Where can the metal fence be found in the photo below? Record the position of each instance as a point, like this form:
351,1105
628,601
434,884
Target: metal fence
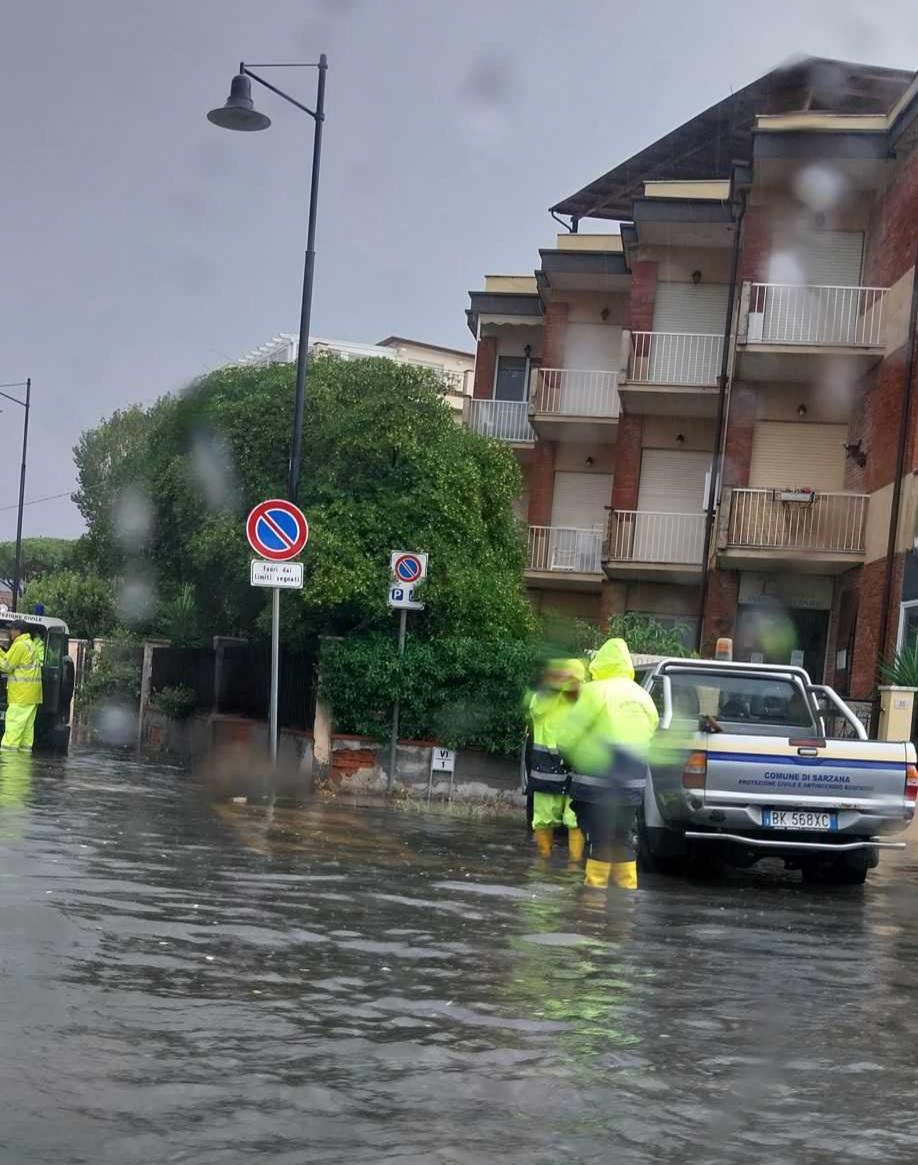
786,313
505,420
185,667
565,549
577,392
777,519
681,358
647,536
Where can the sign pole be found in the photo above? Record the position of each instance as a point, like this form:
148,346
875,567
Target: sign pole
275,668
393,744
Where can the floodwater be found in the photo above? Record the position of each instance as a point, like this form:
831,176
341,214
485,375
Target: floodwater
184,982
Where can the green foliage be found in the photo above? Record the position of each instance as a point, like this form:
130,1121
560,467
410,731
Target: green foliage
643,634
164,492
902,669
462,692
40,557
177,703
114,677
647,636
178,620
85,602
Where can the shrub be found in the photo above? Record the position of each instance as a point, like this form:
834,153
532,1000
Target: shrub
177,703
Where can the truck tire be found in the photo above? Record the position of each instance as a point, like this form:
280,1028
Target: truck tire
650,860
845,870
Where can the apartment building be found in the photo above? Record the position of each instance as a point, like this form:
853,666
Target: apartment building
452,365
712,400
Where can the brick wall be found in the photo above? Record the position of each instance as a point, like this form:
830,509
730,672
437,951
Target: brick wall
891,234
755,246
627,462
867,650
882,416
719,608
643,293
740,428
485,367
541,483
554,334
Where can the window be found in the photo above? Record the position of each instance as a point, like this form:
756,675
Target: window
908,625
740,702
53,650
511,378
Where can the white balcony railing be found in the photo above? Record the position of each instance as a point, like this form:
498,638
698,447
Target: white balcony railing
647,536
506,420
675,358
565,550
765,519
574,392
785,313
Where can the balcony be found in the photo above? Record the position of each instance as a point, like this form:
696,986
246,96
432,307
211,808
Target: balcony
562,556
789,331
504,420
673,373
571,404
662,546
824,532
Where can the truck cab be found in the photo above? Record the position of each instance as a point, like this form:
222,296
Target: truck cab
52,724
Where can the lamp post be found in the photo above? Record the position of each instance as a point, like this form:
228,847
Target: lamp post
25,405
239,113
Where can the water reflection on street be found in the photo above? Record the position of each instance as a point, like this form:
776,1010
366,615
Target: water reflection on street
189,982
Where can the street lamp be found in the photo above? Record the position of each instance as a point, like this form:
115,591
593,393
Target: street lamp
239,113
24,404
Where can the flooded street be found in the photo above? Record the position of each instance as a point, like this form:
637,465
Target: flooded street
186,982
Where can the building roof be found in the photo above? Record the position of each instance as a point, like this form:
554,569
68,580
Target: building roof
707,145
394,341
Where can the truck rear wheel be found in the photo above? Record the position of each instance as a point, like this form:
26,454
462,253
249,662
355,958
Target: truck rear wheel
845,870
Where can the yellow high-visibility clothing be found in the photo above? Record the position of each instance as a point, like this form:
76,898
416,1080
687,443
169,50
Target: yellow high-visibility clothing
22,669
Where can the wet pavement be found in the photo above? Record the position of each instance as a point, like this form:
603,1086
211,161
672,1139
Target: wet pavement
186,982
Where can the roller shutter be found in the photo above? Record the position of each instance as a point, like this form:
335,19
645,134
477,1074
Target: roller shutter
809,455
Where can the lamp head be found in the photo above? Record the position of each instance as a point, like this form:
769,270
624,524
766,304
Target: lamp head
239,112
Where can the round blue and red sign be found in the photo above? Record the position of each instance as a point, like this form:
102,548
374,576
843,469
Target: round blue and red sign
277,530
408,568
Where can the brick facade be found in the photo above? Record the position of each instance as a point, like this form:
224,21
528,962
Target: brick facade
541,483
643,294
720,608
627,477
485,368
740,431
554,335
867,648
891,235
756,246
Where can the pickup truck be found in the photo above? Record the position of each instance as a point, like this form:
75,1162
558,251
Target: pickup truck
742,768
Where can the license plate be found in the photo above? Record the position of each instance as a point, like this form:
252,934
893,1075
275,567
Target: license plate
799,819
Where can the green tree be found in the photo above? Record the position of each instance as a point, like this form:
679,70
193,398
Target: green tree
40,556
385,466
85,602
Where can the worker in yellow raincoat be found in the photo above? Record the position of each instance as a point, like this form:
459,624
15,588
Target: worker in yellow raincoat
22,667
548,778
605,739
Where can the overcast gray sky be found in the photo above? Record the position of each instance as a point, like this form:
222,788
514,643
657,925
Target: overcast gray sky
142,246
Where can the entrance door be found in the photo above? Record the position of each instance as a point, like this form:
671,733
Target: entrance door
780,634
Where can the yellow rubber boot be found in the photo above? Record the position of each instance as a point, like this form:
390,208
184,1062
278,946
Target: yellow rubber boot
597,874
576,843
545,839
624,875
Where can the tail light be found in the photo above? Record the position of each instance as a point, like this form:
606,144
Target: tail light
695,771
911,783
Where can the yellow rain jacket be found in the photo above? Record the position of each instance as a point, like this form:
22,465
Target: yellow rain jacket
547,710
22,668
612,715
